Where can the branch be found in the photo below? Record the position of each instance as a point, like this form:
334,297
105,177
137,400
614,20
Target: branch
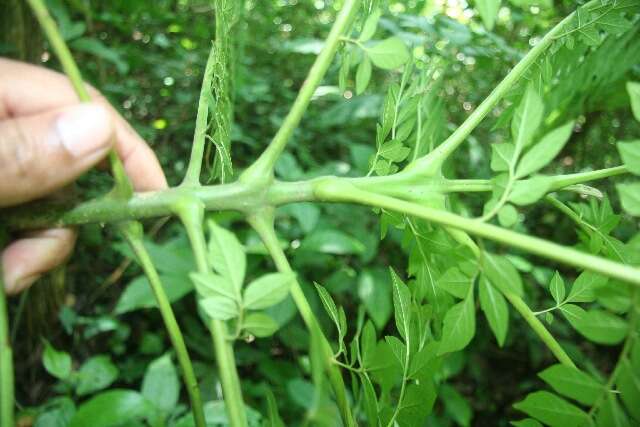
431,163
263,223
263,167
6,362
334,190
191,213
123,188
133,233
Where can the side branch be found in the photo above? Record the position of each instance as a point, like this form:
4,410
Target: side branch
263,167
6,362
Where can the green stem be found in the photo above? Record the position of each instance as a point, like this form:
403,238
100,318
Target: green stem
263,167
6,362
123,187
191,213
133,233
192,177
432,162
263,223
562,181
332,190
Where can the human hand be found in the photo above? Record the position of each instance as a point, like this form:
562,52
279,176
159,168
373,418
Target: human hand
47,140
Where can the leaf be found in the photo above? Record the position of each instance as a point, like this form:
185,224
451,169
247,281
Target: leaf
456,406
267,290
501,155
401,304
573,383
459,326
274,416
527,422
507,215
633,89
628,382
260,324
329,305
363,75
394,151
599,326
495,310
455,282
556,287
161,385
374,290
502,274
388,54
544,151
584,287
530,190
96,374
219,307
527,118
343,73
630,154
95,47
552,410
112,408
369,26
138,294
210,284
398,349
370,401
630,197
227,255
611,414
332,242
488,11
56,363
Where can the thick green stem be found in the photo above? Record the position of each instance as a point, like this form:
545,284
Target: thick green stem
192,177
263,223
191,213
123,187
332,190
263,167
133,233
6,362
430,164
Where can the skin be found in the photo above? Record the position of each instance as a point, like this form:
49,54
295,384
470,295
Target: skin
47,140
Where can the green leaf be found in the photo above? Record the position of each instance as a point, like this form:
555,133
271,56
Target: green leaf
274,416
502,274
584,287
573,383
57,363
370,401
628,382
552,410
507,215
630,154
527,422
394,151
598,326
138,293
363,75
455,282
630,197
633,89
388,54
501,155
161,385
95,47
96,374
267,290
528,191
210,284
329,305
401,304
488,11
556,287
343,74
527,118
112,408
456,406
219,307
374,290
226,255
369,26
260,324
611,413
495,309
544,151
459,326
332,242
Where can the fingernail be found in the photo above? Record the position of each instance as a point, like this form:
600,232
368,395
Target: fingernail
22,283
84,129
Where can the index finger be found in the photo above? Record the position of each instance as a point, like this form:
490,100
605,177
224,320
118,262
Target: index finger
27,89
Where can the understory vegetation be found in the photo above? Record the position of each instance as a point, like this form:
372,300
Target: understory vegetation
381,213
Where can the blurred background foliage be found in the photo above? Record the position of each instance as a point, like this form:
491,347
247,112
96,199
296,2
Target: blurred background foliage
147,58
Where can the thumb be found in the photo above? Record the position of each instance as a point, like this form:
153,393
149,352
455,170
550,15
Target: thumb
43,152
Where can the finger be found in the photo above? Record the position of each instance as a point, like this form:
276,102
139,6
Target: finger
25,260
27,90
41,153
